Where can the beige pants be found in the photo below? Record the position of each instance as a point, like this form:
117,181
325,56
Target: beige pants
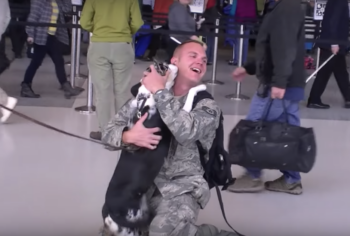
110,66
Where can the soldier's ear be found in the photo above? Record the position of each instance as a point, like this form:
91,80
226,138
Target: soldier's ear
174,61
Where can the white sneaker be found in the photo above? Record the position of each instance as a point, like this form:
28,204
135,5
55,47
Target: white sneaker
11,103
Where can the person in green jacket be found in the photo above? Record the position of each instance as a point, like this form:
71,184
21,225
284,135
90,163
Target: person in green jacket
110,55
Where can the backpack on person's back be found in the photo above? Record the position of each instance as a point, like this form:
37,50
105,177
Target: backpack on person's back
217,169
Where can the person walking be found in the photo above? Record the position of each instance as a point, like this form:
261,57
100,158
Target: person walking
279,66
335,27
46,40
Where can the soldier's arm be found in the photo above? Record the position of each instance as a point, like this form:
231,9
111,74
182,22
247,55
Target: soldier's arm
187,127
112,134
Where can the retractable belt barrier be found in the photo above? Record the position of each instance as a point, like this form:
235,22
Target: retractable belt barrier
218,27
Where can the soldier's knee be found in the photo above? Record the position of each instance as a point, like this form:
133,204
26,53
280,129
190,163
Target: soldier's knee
175,218
173,227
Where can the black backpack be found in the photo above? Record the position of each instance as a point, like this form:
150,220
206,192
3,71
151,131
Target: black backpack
217,170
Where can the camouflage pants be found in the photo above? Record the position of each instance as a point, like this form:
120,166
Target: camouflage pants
177,217
174,217
3,98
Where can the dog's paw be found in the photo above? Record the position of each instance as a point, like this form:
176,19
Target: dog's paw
112,226
198,88
190,97
113,229
193,91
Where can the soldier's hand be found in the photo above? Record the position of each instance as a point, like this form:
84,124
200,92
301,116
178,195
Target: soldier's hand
153,81
141,136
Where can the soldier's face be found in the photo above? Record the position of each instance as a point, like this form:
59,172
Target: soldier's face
192,62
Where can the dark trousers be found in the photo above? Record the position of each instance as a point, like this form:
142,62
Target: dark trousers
154,45
155,38
53,49
3,48
18,37
171,46
209,26
336,66
4,61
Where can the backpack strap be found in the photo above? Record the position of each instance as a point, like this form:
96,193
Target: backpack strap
222,207
200,96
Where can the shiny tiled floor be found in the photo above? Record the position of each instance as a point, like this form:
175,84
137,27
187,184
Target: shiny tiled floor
54,185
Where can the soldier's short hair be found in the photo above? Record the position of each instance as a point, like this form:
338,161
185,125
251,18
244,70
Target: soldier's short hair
178,48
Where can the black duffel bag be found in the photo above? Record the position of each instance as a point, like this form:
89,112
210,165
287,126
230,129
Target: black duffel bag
272,145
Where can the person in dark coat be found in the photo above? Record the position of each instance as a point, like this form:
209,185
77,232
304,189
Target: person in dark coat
279,67
335,27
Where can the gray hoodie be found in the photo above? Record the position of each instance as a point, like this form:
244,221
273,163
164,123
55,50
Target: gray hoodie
180,19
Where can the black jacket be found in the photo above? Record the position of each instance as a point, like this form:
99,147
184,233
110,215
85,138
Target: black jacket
335,24
279,56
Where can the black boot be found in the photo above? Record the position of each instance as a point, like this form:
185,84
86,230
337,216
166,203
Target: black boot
27,91
69,91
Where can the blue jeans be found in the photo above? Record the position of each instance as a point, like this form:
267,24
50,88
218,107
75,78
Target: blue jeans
257,108
245,47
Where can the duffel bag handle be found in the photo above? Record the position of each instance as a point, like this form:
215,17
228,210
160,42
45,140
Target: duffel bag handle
267,111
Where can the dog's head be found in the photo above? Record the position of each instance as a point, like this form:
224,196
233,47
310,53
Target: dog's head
162,68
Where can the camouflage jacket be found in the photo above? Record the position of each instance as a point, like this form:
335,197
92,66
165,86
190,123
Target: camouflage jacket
182,171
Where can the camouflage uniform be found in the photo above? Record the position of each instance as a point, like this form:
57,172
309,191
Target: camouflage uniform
180,189
3,98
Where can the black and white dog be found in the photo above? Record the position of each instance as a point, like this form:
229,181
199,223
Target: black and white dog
126,210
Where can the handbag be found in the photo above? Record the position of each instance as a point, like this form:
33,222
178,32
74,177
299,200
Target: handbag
274,145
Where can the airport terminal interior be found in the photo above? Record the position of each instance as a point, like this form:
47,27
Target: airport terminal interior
52,184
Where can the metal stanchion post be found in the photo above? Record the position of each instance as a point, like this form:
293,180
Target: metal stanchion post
238,95
73,48
89,108
213,80
78,75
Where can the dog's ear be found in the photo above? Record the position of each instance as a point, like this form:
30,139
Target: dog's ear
135,89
